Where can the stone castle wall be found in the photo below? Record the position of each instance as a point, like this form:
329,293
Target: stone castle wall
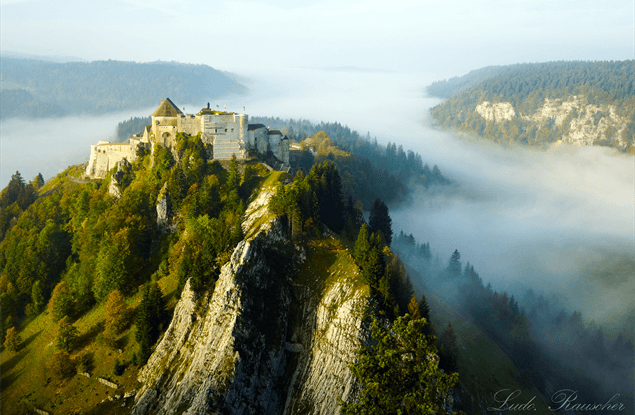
104,156
225,134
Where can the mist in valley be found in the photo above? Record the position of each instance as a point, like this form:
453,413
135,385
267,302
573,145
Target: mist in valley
558,220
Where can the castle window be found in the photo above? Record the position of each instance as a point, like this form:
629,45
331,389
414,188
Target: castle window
226,130
232,130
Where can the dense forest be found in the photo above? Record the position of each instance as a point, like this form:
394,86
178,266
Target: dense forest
550,345
47,89
106,271
369,170
551,101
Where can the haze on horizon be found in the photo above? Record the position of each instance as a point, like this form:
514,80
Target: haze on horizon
445,38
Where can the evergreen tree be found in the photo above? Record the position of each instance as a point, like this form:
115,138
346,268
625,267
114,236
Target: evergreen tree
449,350
454,266
233,175
38,182
362,247
149,319
379,220
398,374
37,296
413,309
424,309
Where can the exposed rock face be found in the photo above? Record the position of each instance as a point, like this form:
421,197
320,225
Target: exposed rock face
582,124
261,343
497,112
118,181
165,213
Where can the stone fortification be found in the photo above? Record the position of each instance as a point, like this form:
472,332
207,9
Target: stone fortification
225,133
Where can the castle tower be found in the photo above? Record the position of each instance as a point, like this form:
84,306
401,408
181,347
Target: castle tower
165,123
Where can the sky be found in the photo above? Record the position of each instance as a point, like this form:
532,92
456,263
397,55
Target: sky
444,37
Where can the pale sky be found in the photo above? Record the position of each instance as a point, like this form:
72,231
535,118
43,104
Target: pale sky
449,36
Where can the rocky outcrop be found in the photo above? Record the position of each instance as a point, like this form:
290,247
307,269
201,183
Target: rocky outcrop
265,341
165,214
579,123
498,112
119,180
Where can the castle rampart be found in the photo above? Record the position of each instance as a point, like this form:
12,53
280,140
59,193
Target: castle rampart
226,133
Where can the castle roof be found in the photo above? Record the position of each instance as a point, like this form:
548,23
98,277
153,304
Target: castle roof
251,127
167,109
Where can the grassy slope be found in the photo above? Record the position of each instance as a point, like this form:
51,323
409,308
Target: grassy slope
26,384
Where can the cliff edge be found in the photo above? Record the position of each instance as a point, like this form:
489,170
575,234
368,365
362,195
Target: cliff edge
275,336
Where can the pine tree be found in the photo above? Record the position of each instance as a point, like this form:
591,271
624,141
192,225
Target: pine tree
454,266
424,309
39,181
449,350
362,247
413,309
379,220
148,321
399,374
233,175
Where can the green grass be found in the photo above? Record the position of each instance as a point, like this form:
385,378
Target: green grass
328,261
26,383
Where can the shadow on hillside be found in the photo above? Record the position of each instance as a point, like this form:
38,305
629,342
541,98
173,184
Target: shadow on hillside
89,336
15,359
12,362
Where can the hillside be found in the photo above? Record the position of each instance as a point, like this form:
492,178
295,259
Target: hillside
582,103
34,88
179,282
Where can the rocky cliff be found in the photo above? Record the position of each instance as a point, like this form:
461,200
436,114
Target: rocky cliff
275,336
575,122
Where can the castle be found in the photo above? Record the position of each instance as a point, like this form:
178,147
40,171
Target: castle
224,133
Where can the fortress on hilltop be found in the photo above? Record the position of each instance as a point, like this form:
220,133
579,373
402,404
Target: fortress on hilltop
224,134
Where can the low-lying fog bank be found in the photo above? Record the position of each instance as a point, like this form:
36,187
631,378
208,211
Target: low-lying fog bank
523,217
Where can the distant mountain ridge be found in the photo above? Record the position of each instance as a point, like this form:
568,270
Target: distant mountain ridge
36,88
583,103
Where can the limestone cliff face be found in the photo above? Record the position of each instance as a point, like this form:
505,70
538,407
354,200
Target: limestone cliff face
581,123
165,214
264,342
118,180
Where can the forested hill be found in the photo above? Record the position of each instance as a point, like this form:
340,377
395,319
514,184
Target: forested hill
584,103
34,88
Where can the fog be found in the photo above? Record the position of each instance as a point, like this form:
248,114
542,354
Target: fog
557,220
49,146
554,220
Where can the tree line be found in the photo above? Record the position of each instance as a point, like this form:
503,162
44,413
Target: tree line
545,342
527,86
106,86
377,171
